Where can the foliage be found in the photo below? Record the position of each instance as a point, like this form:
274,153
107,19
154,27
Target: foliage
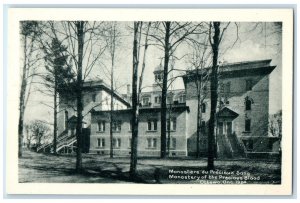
39,132
275,124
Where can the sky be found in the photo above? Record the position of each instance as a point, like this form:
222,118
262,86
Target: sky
241,42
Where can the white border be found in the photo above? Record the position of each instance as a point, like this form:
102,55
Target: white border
245,15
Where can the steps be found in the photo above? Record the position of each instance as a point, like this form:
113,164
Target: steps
237,147
224,149
229,146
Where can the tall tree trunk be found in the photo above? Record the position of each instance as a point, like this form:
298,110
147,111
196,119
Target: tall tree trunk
111,153
199,115
135,111
22,99
214,96
164,92
80,36
55,114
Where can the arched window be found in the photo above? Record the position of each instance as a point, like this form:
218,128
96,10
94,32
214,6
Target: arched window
248,103
66,119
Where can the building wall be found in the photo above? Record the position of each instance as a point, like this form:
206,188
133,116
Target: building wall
125,134
258,114
95,98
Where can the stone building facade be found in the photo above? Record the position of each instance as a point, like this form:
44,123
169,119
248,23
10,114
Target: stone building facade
149,132
242,115
243,110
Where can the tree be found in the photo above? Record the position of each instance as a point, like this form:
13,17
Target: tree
136,90
213,93
29,32
113,39
200,62
39,131
85,46
275,124
168,36
58,76
215,38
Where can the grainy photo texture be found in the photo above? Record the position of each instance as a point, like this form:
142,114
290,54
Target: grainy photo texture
157,102
149,102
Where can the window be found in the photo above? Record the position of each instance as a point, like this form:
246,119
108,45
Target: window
157,99
94,96
149,125
66,119
203,107
247,125
116,142
227,88
101,126
158,77
101,142
171,124
182,98
146,101
155,125
248,85
130,125
152,125
151,142
173,143
116,126
248,104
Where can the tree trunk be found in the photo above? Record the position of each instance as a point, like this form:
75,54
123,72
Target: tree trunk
164,92
22,99
198,122
214,97
111,153
55,114
80,36
135,110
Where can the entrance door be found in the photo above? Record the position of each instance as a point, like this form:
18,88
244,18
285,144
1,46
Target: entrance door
220,126
229,128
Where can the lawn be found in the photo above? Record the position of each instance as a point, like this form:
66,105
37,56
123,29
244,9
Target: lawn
38,168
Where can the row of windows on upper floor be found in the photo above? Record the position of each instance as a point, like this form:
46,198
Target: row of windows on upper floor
146,100
117,125
151,142
225,87
151,125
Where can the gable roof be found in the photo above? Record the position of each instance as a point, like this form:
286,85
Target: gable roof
225,112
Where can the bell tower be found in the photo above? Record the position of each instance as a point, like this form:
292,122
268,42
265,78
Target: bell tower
158,78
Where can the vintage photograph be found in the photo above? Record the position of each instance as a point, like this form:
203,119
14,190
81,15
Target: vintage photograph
150,102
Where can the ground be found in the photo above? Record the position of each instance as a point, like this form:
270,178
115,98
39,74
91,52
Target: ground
37,167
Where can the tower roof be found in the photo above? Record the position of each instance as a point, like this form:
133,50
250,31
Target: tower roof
158,68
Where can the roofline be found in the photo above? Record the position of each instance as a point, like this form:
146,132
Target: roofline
104,86
186,108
